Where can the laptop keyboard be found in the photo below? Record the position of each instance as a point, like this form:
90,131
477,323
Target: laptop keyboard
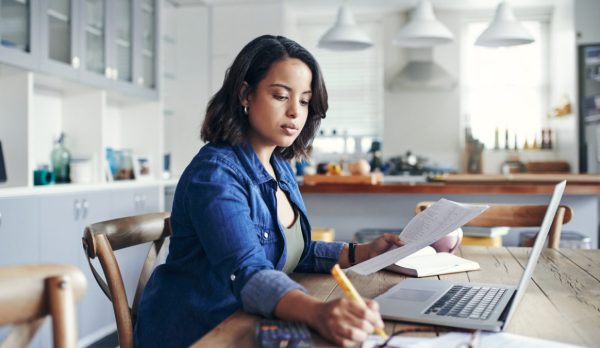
475,302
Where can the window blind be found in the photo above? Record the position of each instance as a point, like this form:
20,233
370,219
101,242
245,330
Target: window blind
354,81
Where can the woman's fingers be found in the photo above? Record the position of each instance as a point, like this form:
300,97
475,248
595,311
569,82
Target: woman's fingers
368,317
392,239
347,322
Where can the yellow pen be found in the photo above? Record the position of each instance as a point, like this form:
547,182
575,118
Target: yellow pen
351,292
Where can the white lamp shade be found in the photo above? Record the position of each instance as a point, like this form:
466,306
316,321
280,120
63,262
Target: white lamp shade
423,29
504,30
345,35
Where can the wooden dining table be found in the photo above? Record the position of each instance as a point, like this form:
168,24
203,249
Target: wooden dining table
562,301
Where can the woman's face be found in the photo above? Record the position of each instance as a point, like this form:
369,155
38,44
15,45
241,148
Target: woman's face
278,109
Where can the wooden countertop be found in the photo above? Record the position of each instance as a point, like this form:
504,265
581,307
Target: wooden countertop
577,184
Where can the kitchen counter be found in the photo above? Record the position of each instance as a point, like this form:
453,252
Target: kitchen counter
531,184
348,208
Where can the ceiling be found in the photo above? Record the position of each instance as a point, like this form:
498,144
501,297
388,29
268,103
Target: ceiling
378,6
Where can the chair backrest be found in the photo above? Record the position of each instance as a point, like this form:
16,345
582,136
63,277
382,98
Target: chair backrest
513,215
28,293
103,238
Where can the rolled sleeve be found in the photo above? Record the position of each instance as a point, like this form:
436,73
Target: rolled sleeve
321,257
327,255
263,291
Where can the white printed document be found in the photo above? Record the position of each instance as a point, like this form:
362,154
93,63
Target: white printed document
441,218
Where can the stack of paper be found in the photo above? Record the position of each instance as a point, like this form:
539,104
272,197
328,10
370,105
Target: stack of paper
441,218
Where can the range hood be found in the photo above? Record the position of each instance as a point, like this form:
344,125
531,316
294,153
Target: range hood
421,73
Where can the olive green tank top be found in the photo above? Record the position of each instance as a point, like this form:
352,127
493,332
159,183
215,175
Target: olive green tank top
294,244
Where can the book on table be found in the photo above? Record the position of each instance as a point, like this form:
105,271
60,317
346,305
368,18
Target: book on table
498,231
427,262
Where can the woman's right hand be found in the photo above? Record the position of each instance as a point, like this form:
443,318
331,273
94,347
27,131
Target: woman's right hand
345,322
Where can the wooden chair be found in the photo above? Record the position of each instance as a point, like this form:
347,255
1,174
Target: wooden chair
518,216
28,293
103,238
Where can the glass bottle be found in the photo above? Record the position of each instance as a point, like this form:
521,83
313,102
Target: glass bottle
61,158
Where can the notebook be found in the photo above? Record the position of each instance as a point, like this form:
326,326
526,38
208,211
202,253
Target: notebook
2,169
428,262
476,306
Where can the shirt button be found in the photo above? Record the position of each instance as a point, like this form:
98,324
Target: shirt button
232,277
266,234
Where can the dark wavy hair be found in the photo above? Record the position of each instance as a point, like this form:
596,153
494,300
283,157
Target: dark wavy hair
225,121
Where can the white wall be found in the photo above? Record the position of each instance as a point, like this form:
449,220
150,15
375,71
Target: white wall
185,55
234,25
563,80
425,122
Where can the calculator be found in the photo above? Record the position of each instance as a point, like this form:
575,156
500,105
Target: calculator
282,334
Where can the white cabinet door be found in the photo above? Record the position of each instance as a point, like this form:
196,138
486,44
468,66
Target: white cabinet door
19,234
131,202
19,242
62,220
137,201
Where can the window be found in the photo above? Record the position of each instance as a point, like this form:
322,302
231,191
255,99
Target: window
355,86
505,88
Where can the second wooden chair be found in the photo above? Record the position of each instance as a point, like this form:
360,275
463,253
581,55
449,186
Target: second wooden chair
28,293
514,215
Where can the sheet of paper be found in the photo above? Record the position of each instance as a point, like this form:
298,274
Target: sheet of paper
441,218
493,340
460,339
373,341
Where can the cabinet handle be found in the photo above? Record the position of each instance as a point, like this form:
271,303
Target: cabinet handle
75,62
136,201
85,205
76,209
144,202
0,220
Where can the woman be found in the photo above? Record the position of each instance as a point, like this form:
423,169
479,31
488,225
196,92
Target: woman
239,223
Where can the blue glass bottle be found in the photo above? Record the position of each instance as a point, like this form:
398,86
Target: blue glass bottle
61,158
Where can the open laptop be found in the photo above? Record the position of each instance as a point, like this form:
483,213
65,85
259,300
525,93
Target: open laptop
2,169
465,305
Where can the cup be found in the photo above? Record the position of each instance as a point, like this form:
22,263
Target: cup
42,177
81,171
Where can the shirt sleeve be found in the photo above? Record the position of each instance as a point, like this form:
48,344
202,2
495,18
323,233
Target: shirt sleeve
218,206
322,256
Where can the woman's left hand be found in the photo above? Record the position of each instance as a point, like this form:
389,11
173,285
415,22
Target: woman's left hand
381,244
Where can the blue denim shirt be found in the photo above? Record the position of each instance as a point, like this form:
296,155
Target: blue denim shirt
227,248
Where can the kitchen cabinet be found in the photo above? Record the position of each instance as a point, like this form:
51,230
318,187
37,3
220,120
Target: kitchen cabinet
105,44
19,233
120,53
19,240
48,227
62,220
19,39
136,201
127,203
59,34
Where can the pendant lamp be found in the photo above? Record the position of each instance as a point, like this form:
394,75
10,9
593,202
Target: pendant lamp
423,29
345,35
505,30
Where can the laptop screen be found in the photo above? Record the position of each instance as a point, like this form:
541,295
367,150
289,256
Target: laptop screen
540,240
2,169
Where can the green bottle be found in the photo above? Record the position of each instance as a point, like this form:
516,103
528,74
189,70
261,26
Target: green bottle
61,158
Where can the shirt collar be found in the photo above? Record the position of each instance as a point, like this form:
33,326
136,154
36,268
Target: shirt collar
256,171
